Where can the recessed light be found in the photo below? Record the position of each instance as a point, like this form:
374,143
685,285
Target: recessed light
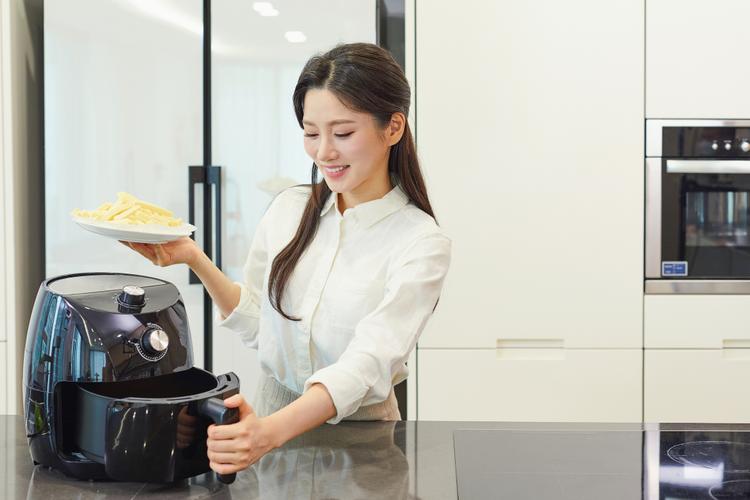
295,36
262,6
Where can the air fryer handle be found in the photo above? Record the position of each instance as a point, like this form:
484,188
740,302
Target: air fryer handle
214,409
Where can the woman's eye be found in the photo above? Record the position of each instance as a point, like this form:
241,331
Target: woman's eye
310,135
344,135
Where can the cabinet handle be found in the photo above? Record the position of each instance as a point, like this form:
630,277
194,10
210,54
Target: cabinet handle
735,344
708,167
530,349
530,344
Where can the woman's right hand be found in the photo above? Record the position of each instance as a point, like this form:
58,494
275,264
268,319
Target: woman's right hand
180,251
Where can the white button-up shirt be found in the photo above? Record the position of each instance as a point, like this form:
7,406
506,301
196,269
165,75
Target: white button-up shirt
363,291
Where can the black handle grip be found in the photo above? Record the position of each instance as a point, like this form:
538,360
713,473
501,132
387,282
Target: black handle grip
210,177
213,178
196,175
214,409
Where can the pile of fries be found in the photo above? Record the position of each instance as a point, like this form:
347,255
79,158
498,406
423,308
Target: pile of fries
130,210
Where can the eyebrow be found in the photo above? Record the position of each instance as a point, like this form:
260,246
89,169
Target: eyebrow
334,122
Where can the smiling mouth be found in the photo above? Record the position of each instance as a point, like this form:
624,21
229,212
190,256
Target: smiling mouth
335,169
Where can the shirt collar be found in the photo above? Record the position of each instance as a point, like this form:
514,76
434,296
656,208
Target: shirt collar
370,212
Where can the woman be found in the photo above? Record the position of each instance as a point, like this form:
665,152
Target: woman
342,274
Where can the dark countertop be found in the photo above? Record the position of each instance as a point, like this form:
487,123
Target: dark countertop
392,460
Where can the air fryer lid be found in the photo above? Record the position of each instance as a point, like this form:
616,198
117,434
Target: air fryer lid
100,291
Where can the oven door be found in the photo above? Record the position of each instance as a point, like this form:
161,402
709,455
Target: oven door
697,215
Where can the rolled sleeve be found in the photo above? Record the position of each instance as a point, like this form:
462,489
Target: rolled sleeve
383,339
244,319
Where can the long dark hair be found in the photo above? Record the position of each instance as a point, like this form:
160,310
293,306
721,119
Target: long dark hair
366,78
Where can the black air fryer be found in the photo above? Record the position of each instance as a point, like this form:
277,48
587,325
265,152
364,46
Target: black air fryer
110,387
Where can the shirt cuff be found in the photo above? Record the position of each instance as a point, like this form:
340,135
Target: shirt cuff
345,390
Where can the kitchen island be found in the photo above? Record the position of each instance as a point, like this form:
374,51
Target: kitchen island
442,460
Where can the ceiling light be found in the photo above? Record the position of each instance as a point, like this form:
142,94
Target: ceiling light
295,36
262,6
269,13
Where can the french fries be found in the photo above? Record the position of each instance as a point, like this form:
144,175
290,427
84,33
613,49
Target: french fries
130,210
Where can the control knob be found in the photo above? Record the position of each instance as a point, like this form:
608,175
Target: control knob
132,297
154,342
727,145
745,145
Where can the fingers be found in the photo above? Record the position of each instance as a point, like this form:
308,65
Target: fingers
237,401
225,468
161,256
234,401
144,249
230,431
224,457
223,445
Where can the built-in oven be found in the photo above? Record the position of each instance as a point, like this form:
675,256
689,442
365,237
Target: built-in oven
697,206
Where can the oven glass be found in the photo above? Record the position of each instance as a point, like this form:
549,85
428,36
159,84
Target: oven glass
706,224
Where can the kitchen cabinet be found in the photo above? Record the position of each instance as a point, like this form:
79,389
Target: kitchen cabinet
530,131
696,321
695,62
530,385
697,350
696,385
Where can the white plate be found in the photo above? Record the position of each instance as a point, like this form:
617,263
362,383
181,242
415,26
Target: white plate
142,233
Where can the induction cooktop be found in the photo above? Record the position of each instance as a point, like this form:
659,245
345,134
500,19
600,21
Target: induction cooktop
697,464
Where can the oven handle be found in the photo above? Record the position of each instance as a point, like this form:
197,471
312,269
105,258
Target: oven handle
708,166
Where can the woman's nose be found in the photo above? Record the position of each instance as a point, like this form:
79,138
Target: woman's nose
326,151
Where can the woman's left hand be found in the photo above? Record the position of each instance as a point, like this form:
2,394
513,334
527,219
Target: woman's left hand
234,447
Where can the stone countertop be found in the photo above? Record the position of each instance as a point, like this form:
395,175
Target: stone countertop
392,460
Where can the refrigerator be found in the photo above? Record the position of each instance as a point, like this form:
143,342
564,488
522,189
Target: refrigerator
135,95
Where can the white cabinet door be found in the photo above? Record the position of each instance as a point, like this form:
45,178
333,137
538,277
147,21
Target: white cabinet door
695,59
530,385
696,321
696,385
530,131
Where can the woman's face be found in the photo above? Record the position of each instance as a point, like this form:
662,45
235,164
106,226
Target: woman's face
349,148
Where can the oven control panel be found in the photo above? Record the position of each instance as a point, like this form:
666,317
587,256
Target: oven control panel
706,142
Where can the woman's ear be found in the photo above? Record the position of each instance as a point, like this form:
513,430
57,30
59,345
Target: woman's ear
395,129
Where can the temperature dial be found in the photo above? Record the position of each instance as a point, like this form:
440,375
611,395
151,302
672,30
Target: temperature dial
745,146
155,342
132,296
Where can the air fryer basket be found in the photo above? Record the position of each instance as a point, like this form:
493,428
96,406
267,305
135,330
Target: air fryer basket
151,430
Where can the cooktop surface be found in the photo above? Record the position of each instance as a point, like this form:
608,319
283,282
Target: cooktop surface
667,462
697,464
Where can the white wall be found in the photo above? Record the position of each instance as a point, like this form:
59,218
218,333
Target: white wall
21,201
